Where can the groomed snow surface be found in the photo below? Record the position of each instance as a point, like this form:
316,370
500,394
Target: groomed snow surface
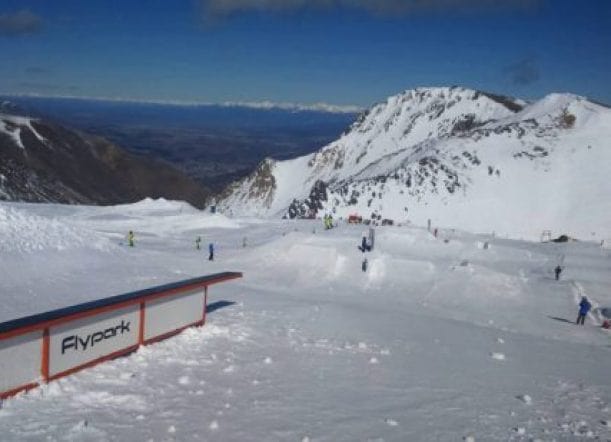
441,339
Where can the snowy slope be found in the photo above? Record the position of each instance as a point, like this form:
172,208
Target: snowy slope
41,161
12,125
463,158
441,339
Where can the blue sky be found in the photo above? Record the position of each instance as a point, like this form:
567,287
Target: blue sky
335,51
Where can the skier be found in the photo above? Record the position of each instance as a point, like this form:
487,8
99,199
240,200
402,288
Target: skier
371,239
211,252
364,246
584,308
557,271
435,232
328,221
364,265
130,238
198,240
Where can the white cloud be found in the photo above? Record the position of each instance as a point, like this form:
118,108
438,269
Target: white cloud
264,105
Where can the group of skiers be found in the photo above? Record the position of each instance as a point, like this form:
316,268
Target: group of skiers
131,241
366,246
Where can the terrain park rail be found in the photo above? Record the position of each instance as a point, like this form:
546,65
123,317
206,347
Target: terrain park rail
40,348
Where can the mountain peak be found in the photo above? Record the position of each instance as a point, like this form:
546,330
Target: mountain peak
465,158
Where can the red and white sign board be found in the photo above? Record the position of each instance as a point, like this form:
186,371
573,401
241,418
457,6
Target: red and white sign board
20,360
80,342
166,315
50,345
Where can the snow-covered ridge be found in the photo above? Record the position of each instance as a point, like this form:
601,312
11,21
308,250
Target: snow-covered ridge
12,126
450,154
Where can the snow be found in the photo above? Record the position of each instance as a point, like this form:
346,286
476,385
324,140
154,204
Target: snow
307,346
533,172
12,125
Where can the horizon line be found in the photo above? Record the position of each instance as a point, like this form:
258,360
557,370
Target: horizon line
262,105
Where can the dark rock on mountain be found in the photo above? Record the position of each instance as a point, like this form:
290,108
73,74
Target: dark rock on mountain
45,162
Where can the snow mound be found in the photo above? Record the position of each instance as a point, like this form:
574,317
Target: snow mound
157,206
301,259
24,232
310,260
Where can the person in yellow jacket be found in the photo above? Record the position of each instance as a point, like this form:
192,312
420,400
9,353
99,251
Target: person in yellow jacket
130,238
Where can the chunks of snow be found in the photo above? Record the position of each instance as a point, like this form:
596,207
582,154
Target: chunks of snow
184,380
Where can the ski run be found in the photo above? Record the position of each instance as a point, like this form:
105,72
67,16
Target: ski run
454,337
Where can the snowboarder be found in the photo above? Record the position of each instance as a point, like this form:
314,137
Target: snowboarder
557,271
435,232
198,240
584,308
211,252
130,238
364,265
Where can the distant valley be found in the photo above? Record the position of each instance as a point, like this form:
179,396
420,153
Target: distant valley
214,145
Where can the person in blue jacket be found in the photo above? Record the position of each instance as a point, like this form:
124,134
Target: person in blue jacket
584,308
211,252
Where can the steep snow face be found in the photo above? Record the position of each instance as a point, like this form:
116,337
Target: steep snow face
12,126
463,158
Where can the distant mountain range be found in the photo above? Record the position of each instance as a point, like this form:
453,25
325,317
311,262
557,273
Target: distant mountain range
42,161
460,157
